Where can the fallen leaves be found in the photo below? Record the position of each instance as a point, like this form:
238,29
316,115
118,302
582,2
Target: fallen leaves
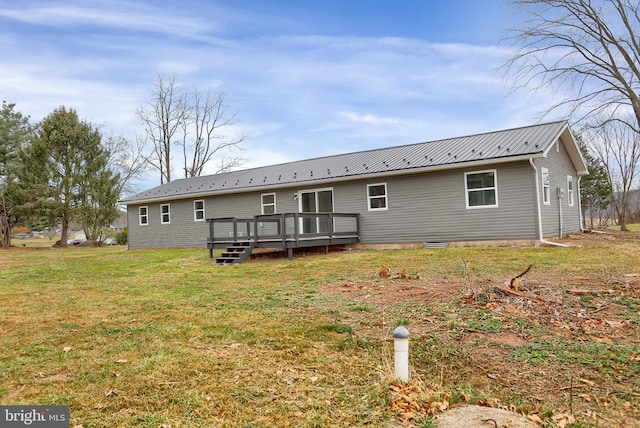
411,401
563,419
536,419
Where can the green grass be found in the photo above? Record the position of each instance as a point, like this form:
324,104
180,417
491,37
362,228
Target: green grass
635,227
144,338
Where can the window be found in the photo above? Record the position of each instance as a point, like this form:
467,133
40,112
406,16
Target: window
198,210
570,190
143,216
482,189
165,215
377,195
268,203
546,196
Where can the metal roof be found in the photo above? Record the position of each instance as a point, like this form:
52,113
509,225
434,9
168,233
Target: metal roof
499,146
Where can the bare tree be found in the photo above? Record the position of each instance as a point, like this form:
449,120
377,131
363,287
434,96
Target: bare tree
618,147
589,47
125,159
162,118
197,122
205,134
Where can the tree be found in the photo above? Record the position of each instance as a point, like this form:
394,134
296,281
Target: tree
99,198
162,118
63,173
618,148
591,49
124,159
595,188
204,134
588,47
197,122
15,131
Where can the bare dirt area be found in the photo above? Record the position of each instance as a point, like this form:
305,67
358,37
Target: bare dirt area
558,346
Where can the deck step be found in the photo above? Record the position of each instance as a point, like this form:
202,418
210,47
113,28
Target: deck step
236,253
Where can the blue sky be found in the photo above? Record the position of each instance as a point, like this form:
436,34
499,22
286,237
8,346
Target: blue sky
306,78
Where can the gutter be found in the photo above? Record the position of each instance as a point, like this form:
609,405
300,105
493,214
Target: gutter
582,228
539,210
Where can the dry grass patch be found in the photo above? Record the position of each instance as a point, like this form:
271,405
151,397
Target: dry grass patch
146,338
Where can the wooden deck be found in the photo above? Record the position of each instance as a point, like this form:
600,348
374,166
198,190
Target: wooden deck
286,230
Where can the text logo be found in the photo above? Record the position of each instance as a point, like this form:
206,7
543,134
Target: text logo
34,416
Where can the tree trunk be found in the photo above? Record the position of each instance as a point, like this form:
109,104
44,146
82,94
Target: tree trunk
622,221
5,231
64,233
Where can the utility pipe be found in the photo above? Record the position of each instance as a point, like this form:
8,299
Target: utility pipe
539,211
560,209
401,354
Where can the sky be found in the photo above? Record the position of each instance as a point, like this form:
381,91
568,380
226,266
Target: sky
305,78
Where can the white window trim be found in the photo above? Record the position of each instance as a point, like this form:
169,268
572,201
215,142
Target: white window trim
146,216
262,204
467,190
195,210
386,197
546,196
570,189
168,214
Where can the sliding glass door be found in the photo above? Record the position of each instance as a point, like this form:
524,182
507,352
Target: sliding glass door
316,201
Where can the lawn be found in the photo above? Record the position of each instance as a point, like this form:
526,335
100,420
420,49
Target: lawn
165,338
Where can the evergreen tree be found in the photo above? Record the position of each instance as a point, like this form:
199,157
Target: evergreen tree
595,188
99,199
14,133
64,174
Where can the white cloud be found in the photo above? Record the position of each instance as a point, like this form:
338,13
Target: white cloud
131,16
296,96
370,119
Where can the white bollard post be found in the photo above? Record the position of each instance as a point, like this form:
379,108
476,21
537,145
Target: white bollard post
401,348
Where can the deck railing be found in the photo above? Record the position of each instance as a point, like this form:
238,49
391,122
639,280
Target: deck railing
282,229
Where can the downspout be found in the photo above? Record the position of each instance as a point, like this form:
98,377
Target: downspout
560,209
582,228
539,210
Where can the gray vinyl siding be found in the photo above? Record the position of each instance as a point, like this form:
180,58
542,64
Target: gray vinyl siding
184,231
427,207
422,207
559,165
431,207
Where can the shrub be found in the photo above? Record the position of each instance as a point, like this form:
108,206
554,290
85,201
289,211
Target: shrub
121,237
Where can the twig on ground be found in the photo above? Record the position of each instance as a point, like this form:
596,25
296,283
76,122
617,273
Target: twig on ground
515,281
518,293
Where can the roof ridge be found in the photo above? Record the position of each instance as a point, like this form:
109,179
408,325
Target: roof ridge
379,149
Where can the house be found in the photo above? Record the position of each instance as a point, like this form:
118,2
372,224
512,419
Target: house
120,223
518,184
